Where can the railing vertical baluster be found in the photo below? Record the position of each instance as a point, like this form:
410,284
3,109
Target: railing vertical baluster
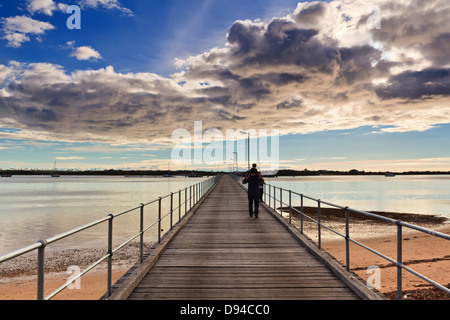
110,253
301,215
185,201
290,207
141,231
179,205
281,201
41,270
274,198
264,193
190,197
347,240
159,220
399,260
318,225
171,210
270,196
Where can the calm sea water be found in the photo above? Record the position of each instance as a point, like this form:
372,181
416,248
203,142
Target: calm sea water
421,194
38,207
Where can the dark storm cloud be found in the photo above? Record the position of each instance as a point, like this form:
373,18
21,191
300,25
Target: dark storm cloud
318,68
417,85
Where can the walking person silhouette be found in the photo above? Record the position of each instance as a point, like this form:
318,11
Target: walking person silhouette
254,180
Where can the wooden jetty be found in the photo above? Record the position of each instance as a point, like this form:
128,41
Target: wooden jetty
220,252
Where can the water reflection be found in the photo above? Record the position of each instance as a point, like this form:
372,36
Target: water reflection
408,194
37,207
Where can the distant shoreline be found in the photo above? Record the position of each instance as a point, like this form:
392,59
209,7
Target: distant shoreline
281,173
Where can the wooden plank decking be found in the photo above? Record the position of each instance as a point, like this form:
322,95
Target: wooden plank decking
223,253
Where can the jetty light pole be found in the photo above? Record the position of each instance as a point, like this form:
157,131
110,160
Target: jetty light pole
248,147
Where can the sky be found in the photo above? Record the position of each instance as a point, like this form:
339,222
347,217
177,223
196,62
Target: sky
341,84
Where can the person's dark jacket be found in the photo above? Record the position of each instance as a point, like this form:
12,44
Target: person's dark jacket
253,181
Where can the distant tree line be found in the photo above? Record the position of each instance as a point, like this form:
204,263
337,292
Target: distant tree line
280,173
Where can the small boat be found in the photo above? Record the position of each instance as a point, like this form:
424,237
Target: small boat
195,175
6,175
389,174
168,174
54,174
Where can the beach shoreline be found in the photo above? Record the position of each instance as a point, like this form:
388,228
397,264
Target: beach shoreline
18,280
423,253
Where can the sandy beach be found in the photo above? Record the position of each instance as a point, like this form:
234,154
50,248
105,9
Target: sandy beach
423,253
18,276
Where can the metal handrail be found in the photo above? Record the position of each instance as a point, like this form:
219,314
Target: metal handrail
400,224
267,193
192,195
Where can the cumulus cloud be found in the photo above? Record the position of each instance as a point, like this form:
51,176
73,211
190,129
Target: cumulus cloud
86,53
106,4
318,68
344,74
44,6
16,29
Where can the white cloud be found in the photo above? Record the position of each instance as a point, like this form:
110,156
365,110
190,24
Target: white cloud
106,4
300,73
69,158
42,6
16,29
16,39
86,53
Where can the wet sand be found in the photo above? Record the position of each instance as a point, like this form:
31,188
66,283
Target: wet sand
424,253
18,276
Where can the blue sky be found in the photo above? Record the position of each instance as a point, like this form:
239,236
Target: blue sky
342,93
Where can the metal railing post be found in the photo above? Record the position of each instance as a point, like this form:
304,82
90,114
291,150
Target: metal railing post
41,270
179,205
264,193
171,210
110,253
270,196
347,240
281,202
190,197
141,231
301,215
185,201
290,207
159,220
274,199
399,260
318,225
